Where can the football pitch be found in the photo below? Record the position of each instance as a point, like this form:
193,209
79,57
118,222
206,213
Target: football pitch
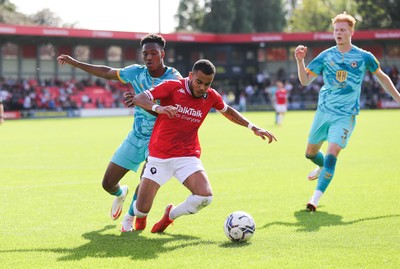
55,214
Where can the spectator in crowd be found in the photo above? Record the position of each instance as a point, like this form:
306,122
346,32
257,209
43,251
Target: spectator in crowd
2,116
394,74
27,102
270,92
242,107
260,80
249,90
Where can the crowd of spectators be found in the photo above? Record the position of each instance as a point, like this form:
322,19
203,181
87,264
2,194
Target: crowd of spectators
258,90
56,94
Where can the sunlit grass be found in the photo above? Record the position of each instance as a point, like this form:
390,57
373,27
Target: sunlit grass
55,214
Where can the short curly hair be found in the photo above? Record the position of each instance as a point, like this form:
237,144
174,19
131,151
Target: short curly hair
153,38
204,66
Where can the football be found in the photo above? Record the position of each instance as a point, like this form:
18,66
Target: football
239,226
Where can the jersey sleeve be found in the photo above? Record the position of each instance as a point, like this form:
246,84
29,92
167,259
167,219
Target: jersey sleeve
175,74
127,74
219,104
162,90
372,64
316,65
225,107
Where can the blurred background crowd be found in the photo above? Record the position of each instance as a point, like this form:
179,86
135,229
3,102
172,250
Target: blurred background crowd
56,94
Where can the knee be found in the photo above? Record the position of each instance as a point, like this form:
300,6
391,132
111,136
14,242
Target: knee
112,176
310,156
330,161
106,185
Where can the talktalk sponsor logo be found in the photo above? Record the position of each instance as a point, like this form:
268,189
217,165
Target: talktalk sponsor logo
189,111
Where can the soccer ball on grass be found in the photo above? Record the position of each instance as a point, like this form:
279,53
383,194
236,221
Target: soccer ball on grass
239,226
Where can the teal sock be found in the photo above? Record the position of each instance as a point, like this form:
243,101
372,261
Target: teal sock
131,206
117,193
327,173
317,159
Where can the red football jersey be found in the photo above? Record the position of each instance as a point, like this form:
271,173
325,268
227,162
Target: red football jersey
178,137
280,96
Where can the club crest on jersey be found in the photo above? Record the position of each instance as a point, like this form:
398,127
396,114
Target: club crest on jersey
153,170
354,64
341,75
181,91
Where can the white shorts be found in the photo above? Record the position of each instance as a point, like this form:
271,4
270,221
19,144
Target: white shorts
162,170
280,108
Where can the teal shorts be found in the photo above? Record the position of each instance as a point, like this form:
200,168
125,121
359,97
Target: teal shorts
132,152
332,128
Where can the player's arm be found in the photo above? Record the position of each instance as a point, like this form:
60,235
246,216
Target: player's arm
236,117
305,77
102,71
144,101
128,100
1,111
387,85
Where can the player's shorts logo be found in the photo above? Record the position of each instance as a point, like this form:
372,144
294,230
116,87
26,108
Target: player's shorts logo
341,75
153,170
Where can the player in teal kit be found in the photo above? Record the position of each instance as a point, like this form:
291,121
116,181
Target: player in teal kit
134,149
343,68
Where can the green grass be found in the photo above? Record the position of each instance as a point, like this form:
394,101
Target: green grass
55,214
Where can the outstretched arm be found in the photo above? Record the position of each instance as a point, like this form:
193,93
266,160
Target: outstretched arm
102,71
236,117
387,85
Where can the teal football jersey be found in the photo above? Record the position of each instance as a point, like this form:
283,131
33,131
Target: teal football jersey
343,74
141,80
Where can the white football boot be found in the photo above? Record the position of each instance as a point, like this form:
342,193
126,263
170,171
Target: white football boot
116,207
127,223
314,174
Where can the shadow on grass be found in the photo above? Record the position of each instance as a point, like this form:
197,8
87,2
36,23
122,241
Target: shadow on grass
313,221
132,245
230,244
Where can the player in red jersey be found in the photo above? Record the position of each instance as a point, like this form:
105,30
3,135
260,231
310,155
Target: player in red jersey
174,148
280,102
